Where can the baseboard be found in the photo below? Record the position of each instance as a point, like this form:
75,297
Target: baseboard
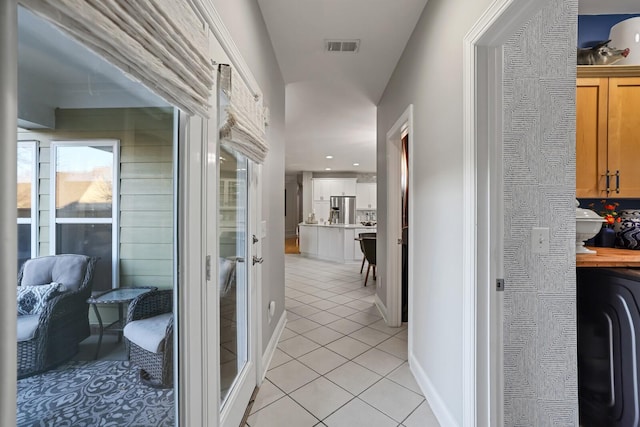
273,344
381,308
440,410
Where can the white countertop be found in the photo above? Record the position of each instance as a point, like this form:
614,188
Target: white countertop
339,225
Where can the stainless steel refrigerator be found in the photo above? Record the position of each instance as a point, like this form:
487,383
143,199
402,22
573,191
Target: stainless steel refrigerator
345,206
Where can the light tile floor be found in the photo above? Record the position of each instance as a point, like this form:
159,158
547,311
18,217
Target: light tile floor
337,363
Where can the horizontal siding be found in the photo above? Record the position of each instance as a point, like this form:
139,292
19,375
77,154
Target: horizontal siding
45,171
163,282
136,267
146,235
44,249
146,185
146,202
146,170
45,154
43,219
149,137
151,251
45,202
146,219
145,154
115,119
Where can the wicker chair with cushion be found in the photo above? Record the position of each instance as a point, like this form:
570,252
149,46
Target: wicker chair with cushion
53,314
149,334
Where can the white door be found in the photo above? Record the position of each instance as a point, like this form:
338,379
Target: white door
236,287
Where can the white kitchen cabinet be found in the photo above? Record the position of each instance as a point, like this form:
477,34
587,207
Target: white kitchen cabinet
324,188
330,243
366,195
321,189
343,187
321,209
308,238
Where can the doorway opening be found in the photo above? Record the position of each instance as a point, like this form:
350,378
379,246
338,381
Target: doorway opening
398,250
404,187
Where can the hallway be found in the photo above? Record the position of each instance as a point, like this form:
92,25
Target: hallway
337,363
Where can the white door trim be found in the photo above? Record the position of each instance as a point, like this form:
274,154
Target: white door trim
394,220
197,383
482,201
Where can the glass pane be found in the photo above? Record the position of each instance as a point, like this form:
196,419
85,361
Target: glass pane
24,243
25,180
92,240
84,182
232,284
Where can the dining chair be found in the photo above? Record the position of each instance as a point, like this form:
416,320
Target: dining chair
369,246
360,237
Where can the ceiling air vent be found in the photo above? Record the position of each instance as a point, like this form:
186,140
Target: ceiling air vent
349,46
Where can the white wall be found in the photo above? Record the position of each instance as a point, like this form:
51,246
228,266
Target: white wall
244,21
540,365
429,76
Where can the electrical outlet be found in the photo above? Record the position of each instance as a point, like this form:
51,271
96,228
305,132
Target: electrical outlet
540,240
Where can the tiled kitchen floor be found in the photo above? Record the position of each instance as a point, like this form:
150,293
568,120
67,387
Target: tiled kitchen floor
337,363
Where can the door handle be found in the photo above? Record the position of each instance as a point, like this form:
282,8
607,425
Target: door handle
257,260
617,182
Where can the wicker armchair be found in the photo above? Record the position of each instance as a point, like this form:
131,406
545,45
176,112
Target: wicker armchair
150,325
52,336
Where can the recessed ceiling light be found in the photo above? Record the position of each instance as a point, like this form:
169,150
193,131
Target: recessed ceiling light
327,169
328,157
356,164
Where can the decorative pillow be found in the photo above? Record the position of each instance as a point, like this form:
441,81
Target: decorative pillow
32,299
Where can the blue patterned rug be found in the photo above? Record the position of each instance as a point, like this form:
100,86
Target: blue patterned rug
96,393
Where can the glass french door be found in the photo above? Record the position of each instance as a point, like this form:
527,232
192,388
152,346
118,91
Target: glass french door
236,309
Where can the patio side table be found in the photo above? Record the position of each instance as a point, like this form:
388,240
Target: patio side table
119,297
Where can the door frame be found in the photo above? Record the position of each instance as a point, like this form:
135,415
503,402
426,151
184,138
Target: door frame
483,212
8,181
249,377
393,313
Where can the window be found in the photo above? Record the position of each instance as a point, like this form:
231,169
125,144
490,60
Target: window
84,182
26,200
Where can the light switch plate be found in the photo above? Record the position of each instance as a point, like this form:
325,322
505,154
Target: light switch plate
540,240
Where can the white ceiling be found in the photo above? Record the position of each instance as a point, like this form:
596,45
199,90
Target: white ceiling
331,98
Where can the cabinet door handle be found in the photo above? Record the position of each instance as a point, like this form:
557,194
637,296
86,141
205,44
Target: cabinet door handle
617,182
257,260
607,183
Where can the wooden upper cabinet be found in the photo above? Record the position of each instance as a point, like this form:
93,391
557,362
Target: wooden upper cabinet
591,137
608,133
624,135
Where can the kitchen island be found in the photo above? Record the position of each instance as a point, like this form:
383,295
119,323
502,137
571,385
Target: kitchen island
609,257
332,242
